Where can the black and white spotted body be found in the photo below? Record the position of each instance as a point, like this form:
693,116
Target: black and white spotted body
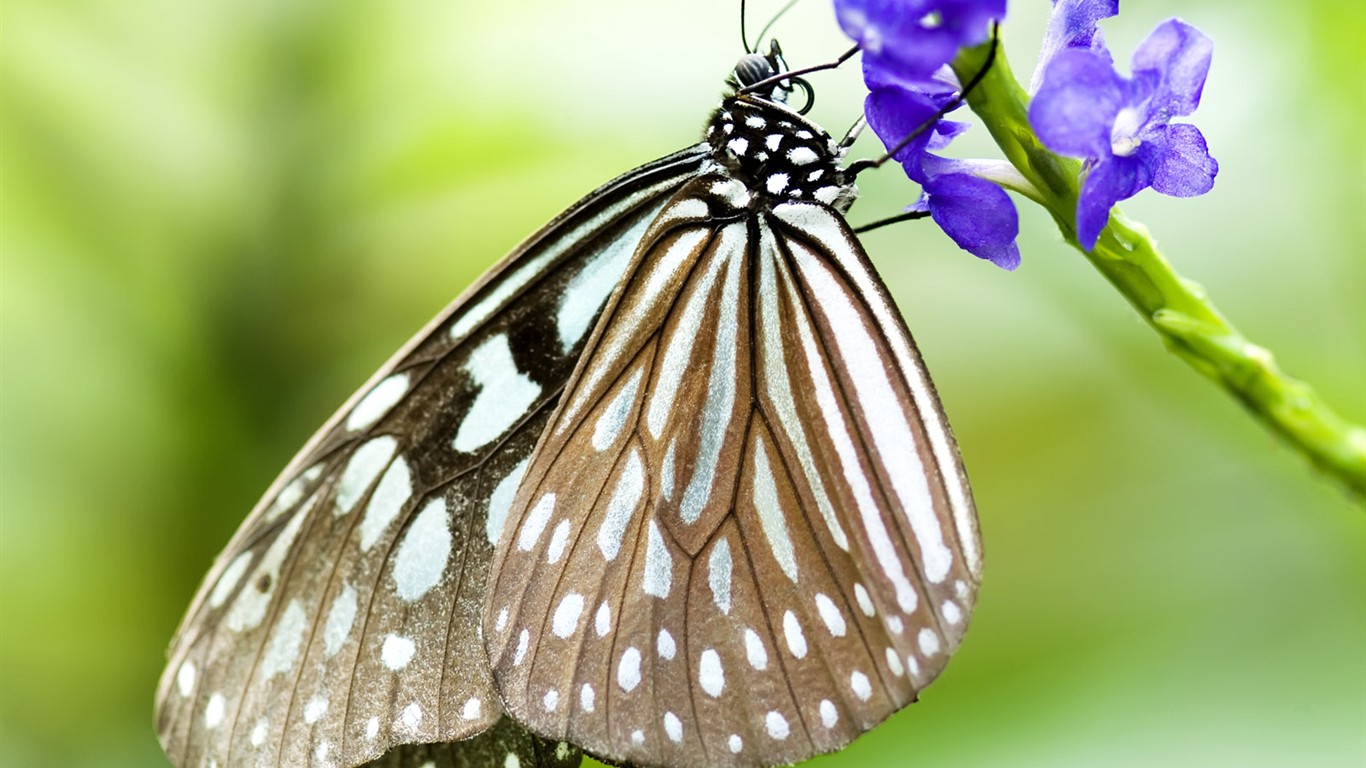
778,154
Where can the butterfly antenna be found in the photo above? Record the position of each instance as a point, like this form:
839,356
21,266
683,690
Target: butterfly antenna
860,166
772,21
744,38
780,77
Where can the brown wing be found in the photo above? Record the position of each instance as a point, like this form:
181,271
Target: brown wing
343,617
745,536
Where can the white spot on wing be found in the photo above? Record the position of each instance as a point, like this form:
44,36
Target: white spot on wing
719,573
292,493
776,725
602,620
566,619
776,183
282,650
738,146
423,553
735,743
411,717
534,523
229,580
340,617
865,602
950,612
928,642
559,539
259,732
792,630
613,418
372,728
551,700
860,685
658,575
505,395
587,698
665,646
523,640
666,481
673,727
393,491
500,501
472,708
628,670
214,711
829,714
830,614
770,512
377,402
184,678
249,608
894,662
584,296
315,709
364,466
397,651
627,494
755,651
711,676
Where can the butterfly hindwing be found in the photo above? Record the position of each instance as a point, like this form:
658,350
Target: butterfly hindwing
343,617
744,537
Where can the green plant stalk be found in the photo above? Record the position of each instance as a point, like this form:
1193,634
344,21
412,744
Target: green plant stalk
1177,308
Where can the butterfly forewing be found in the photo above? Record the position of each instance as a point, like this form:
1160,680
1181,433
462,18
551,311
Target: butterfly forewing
343,617
745,536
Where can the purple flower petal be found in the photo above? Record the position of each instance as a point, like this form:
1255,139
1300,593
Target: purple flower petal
1073,24
1179,161
909,38
977,214
1074,112
893,113
1109,182
1177,57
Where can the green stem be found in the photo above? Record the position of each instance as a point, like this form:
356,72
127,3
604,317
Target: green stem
1176,308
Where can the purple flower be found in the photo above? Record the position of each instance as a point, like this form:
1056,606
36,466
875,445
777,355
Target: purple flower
975,213
1122,127
1073,24
914,38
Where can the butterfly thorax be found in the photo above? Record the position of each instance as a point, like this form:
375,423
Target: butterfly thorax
778,154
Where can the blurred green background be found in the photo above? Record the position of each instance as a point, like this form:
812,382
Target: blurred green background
218,219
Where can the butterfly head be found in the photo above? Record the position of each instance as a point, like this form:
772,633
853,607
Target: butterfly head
757,67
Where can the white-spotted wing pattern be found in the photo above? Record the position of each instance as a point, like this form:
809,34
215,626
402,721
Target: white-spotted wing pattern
745,536
343,617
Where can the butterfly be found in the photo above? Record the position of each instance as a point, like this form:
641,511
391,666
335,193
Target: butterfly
669,483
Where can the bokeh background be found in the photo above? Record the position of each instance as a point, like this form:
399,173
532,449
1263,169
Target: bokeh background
219,218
